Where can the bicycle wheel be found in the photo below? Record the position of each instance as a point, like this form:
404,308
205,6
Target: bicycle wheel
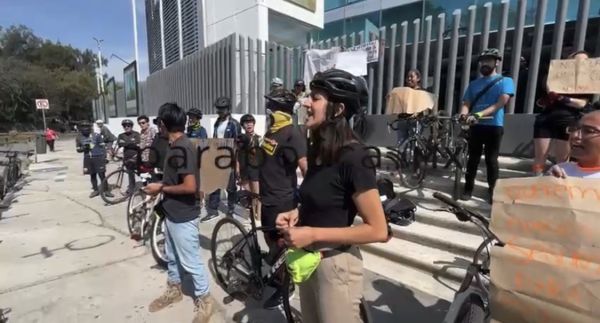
229,235
461,152
113,184
290,315
471,311
157,240
412,163
135,212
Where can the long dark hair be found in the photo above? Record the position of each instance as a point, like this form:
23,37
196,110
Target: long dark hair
328,140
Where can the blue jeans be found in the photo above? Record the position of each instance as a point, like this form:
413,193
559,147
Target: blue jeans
214,198
183,253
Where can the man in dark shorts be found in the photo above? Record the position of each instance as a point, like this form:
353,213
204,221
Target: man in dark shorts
130,141
92,146
247,162
179,186
283,151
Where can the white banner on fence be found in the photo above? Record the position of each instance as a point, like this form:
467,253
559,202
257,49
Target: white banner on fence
354,62
318,60
372,49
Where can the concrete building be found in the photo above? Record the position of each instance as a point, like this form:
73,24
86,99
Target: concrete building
177,28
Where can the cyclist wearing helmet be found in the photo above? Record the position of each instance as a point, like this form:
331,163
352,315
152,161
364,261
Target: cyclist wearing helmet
276,84
248,164
225,127
283,152
338,186
195,129
485,97
129,140
94,156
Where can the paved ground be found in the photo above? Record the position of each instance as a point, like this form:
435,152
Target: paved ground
67,258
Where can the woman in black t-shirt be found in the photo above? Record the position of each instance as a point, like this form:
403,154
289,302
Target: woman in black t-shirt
340,182
559,112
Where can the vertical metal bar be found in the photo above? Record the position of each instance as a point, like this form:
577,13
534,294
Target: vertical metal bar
516,51
502,30
267,79
288,67
392,59
534,61
328,43
583,15
415,48
361,37
559,29
485,34
427,52
233,72
403,39
352,39
336,42
449,102
381,63
344,41
202,84
243,71
281,69
466,72
371,84
437,72
321,45
260,73
251,77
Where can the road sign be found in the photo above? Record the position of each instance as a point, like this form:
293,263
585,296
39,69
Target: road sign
42,104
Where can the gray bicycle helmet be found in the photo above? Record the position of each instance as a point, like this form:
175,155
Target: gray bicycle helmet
281,100
342,87
491,52
195,112
223,103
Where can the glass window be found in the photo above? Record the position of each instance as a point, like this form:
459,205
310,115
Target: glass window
334,4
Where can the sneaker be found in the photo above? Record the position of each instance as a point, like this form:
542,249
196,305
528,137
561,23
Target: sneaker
466,196
172,295
94,194
108,194
209,217
204,307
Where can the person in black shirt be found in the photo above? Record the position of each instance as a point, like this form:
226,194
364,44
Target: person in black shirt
130,141
283,152
180,187
560,112
247,161
340,183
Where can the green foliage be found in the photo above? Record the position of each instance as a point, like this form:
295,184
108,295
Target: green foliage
32,68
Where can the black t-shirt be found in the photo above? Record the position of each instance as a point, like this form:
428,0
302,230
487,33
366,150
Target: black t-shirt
181,160
247,152
559,110
278,164
326,191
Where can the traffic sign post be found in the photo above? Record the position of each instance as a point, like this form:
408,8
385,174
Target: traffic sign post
43,104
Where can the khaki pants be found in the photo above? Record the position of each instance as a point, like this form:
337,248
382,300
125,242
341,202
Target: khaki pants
333,292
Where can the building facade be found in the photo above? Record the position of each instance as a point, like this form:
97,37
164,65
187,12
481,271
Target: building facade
178,28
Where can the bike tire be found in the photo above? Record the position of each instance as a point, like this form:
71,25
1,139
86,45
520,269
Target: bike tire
215,242
413,164
159,255
290,316
460,171
472,311
108,187
133,215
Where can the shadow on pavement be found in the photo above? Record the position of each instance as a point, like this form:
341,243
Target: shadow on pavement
403,306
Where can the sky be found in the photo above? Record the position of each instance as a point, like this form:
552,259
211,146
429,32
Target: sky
76,22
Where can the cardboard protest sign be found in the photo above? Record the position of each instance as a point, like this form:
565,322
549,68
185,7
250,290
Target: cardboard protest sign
217,163
549,269
574,76
407,100
352,62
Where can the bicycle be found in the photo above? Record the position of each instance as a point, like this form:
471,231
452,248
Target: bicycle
240,269
471,301
146,222
114,181
11,172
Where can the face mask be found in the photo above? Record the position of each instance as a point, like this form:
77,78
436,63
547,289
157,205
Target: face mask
486,70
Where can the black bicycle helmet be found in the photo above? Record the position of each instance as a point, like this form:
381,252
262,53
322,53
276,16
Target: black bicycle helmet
281,100
342,87
223,103
247,118
195,112
491,52
127,122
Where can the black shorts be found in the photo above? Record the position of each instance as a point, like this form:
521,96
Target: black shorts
94,165
249,174
268,215
552,127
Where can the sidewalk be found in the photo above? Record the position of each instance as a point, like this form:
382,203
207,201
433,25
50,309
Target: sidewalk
67,258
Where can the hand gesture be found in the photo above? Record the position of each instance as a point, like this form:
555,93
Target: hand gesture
286,219
557,172
298,237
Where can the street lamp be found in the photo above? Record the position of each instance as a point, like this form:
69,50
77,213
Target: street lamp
118,57
99,44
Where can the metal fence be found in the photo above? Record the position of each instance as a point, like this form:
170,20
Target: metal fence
242,67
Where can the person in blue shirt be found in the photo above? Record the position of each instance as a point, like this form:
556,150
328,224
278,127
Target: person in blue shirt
485,97
195,129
